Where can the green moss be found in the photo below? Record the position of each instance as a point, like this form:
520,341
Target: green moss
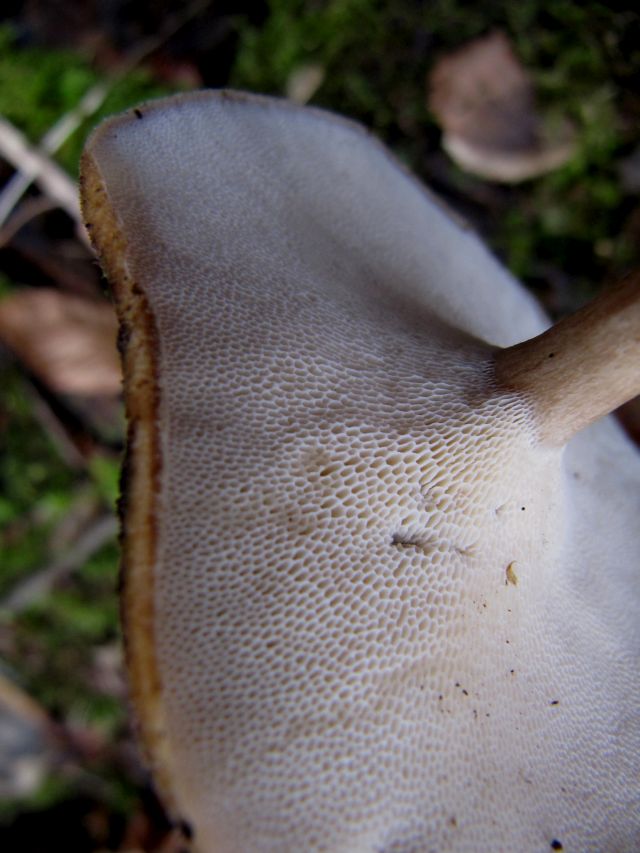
377,55
56,640
38,86
367,49
105,474
36,487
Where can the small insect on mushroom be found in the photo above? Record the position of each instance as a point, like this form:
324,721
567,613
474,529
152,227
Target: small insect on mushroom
321,365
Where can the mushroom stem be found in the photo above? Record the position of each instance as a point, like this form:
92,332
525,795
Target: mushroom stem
583,367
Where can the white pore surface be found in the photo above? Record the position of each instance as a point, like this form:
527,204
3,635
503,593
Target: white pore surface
345,664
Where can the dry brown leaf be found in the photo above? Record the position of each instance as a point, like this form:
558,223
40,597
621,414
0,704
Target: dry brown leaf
485,102
67,341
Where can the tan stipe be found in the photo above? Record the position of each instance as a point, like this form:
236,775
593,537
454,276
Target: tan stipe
583,367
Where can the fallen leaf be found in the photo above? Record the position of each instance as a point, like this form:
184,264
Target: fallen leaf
485,102
67,341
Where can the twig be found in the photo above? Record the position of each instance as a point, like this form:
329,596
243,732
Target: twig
53,180
31,208
16,187
54,428
30,170
41,582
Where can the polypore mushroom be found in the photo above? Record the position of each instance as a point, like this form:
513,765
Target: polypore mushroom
381,588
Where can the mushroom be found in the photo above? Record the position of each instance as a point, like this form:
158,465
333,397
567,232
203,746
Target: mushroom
381,585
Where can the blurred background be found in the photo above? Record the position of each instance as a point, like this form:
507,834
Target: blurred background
524,116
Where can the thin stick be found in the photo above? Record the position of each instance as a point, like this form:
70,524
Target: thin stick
19,183
29,209
29,169
53,180
583,367
39,584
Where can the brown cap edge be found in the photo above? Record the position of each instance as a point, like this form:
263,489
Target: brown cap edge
138,506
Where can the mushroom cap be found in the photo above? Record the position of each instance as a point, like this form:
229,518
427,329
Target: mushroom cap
365,607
